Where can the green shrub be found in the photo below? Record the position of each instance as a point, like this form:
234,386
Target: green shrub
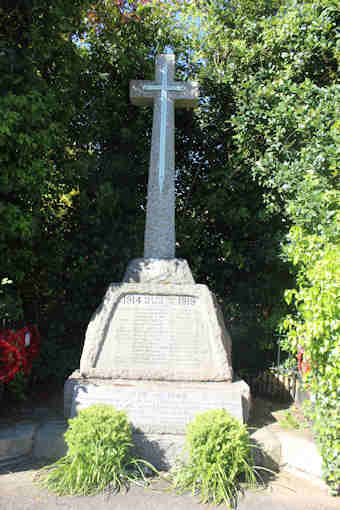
219,458
99,441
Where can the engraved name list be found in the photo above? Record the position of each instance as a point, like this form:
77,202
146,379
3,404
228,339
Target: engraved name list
157,329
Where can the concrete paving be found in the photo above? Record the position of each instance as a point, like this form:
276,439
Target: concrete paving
299,453
18,491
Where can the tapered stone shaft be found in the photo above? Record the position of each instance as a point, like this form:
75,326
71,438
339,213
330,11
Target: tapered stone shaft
165,94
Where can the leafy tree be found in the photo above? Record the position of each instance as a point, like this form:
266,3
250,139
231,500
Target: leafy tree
314,330
279,65
39,87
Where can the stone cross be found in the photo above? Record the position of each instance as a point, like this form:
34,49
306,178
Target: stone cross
165,94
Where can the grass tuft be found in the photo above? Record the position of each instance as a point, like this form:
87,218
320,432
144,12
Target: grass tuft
99,456
219,459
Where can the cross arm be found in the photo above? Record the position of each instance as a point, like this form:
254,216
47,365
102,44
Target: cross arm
138,95
188,96
184,94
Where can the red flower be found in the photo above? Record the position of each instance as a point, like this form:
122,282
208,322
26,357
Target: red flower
300,359
17,350
303,365
306,367
10,360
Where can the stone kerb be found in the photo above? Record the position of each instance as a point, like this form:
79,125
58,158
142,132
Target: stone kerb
158,332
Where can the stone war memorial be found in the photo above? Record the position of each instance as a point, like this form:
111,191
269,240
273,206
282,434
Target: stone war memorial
157,345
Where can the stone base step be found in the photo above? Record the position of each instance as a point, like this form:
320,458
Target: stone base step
158,411
300,456
41,440
16,441
49,442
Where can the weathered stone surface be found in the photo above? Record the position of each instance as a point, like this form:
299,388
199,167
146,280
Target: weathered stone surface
49,442
300,453
266,448
159,271
165,94
69,388
161,450
156,331
16,442
159,406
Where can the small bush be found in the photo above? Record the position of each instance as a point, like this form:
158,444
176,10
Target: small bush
219,458
99,441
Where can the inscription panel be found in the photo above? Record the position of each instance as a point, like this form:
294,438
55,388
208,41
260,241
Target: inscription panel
161,411
155,330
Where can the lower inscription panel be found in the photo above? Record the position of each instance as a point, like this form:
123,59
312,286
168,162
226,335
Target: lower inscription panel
160,410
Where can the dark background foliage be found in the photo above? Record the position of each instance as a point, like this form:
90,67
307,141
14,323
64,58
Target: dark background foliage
257,163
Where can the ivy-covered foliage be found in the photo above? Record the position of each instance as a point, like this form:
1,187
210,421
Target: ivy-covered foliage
40,99
315,330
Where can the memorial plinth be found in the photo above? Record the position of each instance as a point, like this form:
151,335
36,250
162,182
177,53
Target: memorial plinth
157,345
